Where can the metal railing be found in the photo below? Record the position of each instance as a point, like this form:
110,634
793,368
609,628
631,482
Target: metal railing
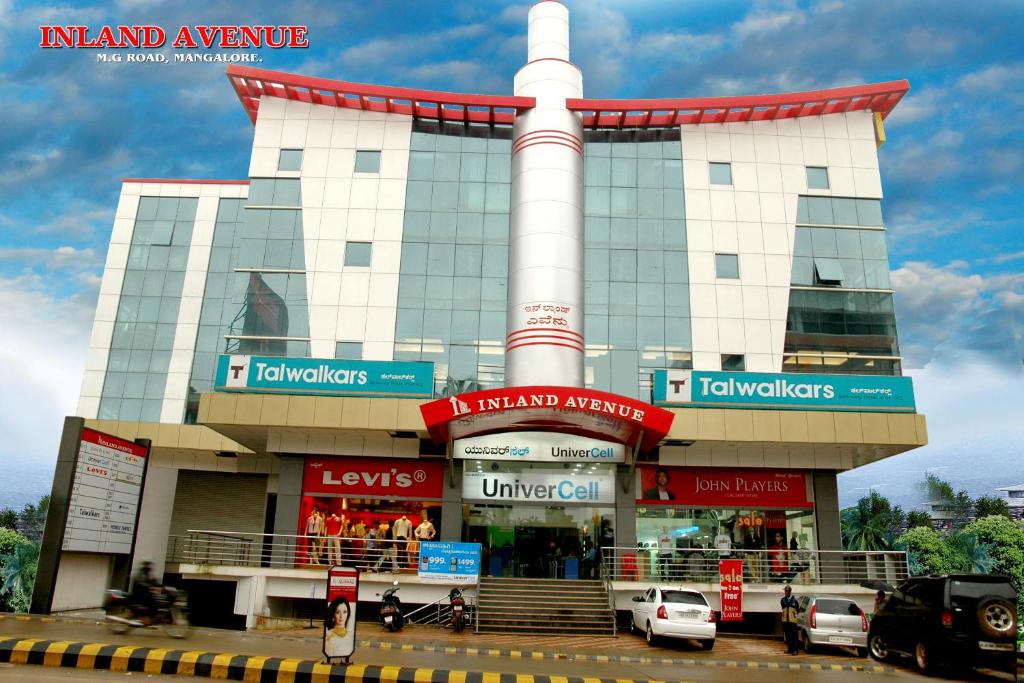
439,612
759,566
236,549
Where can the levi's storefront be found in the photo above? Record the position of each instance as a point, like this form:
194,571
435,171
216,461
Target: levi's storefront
722,510
541,504
366,492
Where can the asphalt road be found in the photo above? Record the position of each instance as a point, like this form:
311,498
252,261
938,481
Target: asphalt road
239,642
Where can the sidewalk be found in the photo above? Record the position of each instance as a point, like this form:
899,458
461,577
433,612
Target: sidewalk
379,645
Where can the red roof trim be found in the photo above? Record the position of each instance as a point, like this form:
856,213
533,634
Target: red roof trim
185,181
876,97
251,84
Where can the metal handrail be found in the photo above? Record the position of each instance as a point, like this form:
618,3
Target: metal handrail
779,565
208,547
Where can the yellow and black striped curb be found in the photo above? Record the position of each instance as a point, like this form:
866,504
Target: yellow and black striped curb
125,658
623,659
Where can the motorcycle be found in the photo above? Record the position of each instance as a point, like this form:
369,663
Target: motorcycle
458,607
391,609
170,610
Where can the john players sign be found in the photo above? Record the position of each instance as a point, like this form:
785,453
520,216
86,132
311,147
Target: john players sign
700,388
324,376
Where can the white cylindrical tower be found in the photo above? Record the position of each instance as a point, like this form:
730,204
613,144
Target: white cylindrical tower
544,344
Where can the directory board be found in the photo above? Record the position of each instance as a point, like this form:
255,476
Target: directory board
104,504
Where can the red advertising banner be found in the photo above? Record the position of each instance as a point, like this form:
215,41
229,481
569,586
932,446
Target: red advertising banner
374,477
722,487
731,592
343,582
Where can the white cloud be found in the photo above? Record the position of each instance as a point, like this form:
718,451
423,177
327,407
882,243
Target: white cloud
41,359
953,316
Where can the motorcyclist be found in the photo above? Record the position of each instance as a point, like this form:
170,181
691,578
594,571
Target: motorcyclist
144,587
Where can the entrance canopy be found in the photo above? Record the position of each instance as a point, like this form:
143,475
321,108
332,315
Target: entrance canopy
585,412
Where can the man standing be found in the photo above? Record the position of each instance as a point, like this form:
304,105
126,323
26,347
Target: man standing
789,611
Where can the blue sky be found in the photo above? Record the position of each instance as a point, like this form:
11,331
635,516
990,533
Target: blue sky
952,169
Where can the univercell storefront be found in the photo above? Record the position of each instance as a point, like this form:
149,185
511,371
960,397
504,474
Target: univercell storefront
539,503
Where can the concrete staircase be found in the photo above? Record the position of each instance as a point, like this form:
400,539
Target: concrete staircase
556,606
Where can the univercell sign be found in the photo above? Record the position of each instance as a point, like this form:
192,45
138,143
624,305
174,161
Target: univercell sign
537,486
783,391
324,376
538,447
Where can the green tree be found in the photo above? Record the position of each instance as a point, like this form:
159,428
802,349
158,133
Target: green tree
971,556
8,519
916,518
9,540
959,503
871,524
927,552
33,518
988,506
1006,538
17,574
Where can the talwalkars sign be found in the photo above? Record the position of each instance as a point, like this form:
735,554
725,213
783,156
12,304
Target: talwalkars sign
702,388
324,376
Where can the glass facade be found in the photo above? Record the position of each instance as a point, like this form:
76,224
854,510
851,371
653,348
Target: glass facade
254,300
454,271
842,331
637,293
147,313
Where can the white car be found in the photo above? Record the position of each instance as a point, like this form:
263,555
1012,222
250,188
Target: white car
674,613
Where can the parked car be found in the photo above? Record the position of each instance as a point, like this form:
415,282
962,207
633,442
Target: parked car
831,620
967,620
674,613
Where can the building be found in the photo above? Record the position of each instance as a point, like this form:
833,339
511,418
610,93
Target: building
556,266
1015,499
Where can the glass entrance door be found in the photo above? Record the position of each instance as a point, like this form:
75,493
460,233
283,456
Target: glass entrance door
535,541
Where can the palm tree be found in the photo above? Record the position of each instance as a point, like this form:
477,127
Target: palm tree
973,556
17,574
870,524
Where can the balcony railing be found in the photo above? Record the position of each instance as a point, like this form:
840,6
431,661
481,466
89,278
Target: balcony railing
233,549
759,566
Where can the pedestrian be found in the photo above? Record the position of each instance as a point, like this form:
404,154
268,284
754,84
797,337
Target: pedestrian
789,611
879,602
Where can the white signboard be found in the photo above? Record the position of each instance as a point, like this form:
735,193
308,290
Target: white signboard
558,487
538,447
104,502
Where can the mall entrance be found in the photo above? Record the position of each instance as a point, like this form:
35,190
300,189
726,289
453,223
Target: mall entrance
539,541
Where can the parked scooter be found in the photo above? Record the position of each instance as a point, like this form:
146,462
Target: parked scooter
170,610
391,609
458,608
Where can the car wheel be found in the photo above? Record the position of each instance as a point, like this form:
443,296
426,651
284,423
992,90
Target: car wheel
878,648
805,643
651,638
995,618
923,658
632,623
707,644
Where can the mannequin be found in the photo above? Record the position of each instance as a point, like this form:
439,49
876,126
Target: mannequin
402,530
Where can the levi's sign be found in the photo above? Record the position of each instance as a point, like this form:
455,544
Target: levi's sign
538,447
783,391
373,477
324,376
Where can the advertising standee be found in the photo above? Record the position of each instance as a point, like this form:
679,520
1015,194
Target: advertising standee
731,572
442,562
340,621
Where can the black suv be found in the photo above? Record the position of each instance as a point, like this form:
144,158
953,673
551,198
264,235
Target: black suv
958,620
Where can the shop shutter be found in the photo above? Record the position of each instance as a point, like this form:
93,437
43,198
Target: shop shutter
219,501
